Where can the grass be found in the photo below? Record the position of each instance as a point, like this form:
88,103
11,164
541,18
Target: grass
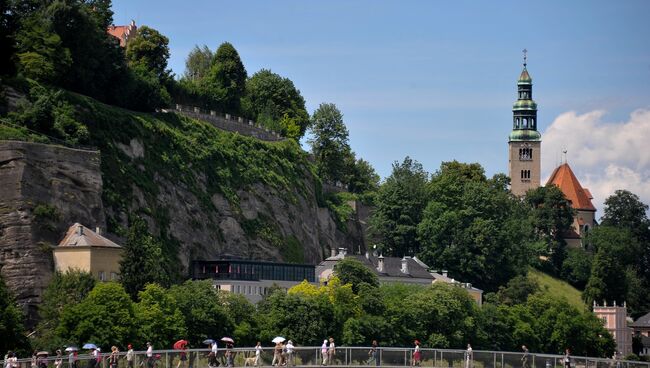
558,288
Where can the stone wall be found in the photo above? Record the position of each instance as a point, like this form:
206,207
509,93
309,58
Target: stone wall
230,123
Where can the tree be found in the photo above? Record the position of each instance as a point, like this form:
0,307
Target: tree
517,290
104,317
363,178
204,315
150,49
197,63
158,317
41,55
351,271
227,78
625,210
576,268
64,290
12,319
474,228
329,144
274,101
142,260
552,217
399,205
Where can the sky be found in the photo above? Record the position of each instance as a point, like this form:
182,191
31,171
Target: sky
435,80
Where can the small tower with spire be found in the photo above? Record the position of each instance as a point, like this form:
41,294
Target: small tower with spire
524,142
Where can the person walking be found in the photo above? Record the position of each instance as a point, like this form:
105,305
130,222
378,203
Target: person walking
289,351
129,356
416,357
212,356
277,355
182,357
323,351
469,356
524,358
373,354
258,354
331,352
34,361
72,359
567,358
58,362
113,358
11,361
149,354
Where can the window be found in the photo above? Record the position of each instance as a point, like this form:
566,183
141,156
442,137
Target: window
237,289
113,276
249,290
102,276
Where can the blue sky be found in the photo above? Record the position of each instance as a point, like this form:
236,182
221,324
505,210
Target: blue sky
431,79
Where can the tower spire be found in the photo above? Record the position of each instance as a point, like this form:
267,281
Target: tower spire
525,56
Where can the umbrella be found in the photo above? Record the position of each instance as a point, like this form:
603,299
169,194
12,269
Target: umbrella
71,348
89,346
208,341
42,353
180,344
278,339
228,339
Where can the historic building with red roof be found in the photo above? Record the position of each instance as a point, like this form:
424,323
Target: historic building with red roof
123,33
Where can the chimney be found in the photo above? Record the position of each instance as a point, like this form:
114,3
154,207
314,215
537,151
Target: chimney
380,263
333,252
98,230
80,230
405,265
444,273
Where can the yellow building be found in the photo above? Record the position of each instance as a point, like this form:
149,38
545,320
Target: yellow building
86,250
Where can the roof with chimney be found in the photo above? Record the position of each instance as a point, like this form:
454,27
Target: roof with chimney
123,33
642,322
564,179
392,265
81,236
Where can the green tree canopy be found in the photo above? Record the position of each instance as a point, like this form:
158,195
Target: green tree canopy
142,260
105,317
197,63
351,271
158,317
12,319
227,78
399,205
362,177
474,228
274,101
329,143
150,49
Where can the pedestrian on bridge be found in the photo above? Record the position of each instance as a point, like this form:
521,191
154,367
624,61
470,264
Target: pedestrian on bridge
524,358
417,357
469,356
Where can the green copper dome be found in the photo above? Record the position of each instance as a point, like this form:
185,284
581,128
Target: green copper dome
524,105
524,135
524,77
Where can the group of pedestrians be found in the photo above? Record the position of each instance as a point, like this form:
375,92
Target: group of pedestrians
328,351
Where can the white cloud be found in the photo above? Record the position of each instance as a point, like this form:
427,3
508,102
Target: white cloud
605,156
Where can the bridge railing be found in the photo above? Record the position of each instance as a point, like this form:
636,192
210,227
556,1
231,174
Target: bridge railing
345,357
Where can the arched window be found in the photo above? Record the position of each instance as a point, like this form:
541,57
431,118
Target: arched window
525,122
517,122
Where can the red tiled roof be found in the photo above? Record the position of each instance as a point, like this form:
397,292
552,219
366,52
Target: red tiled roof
564,179
81,236
122,33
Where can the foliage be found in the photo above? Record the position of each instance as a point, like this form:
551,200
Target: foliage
142,259
351,271
158,317
12,329
242,313
197,63
275,102
329,143
362,177
517,290
473,227
551,216
45,212
150,49
226,80
104,316
64,290
204,315
399,205
41,55
576,268
557,288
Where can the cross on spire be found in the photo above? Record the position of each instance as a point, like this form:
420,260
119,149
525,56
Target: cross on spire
525,57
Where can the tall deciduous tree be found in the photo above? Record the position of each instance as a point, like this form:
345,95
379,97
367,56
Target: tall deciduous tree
12,329
142,260
474,227
158,317
362,177
399,205
274,101
150,49
227,78
351,271
197,63
329,142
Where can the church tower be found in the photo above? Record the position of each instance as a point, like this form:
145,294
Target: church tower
525,142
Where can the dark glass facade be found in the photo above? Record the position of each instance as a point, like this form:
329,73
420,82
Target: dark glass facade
252,271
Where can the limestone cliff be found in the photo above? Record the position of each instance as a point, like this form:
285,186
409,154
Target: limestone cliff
204,193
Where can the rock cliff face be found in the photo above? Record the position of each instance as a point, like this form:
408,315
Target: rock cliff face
43,190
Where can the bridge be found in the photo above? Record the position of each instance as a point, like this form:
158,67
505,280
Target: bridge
345,357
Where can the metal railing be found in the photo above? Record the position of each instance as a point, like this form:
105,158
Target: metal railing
344,357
